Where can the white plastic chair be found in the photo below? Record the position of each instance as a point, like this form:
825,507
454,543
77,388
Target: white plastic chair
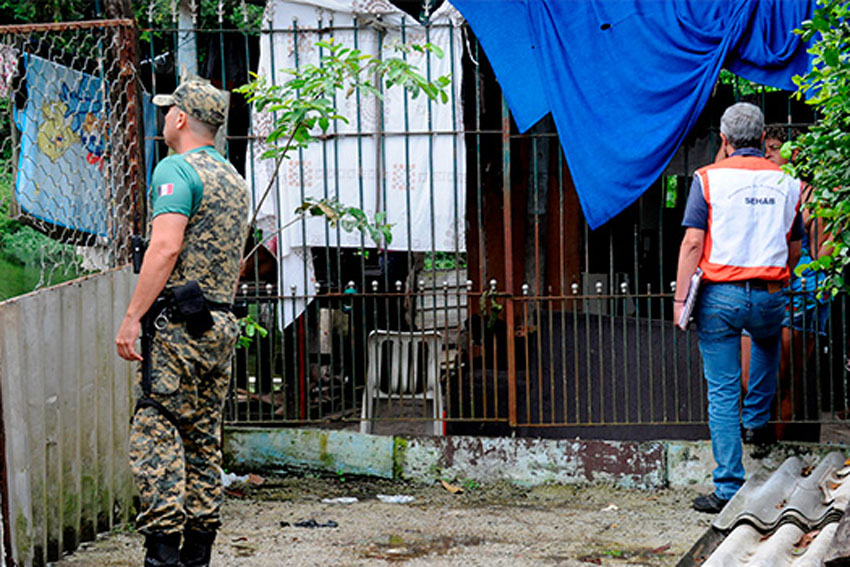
405,351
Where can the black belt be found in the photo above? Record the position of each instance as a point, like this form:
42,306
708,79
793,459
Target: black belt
216,306
755,283
158,316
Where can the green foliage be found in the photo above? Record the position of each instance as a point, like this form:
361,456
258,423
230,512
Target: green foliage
742,86
40,11
671,191
825,149
444,261
249,329
304,107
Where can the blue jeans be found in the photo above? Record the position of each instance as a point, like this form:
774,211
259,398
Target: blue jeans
724,310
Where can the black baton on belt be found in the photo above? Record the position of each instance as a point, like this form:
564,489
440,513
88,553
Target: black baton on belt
147,348
149,328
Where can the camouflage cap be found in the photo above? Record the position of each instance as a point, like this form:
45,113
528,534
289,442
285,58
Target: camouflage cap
199,100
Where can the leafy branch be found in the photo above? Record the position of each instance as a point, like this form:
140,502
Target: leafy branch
337,214
249,329
825,149
304,106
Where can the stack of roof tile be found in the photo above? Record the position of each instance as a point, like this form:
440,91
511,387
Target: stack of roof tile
787,518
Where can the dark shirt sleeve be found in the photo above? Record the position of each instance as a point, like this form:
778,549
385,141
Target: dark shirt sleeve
696,209
797,228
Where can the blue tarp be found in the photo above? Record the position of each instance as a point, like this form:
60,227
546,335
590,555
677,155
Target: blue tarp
625,80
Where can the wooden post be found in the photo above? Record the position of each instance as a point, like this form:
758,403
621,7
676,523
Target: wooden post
187,48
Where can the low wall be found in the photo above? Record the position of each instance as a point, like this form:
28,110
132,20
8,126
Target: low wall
521,461
66,407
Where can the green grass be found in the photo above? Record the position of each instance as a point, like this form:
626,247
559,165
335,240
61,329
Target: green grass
25,253
16,279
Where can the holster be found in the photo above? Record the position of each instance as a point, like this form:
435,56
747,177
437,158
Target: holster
184,303
138,245
191,308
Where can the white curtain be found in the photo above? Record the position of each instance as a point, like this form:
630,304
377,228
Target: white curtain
403,156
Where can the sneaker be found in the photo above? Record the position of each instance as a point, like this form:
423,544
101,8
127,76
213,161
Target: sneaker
709,503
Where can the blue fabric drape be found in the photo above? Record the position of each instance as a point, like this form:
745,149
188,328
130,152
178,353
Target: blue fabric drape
625,80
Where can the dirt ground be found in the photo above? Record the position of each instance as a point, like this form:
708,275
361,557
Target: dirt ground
485,525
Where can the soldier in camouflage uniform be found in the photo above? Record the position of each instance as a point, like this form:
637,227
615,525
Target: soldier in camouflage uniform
199,209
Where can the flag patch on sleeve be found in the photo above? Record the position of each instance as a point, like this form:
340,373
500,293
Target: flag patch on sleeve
165,189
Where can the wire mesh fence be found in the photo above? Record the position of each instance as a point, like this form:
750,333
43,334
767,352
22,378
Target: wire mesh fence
70,159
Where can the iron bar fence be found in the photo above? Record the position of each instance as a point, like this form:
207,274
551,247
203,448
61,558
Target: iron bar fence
545,327
556,330
585,363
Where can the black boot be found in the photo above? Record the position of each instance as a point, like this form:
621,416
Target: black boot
162,550
197,548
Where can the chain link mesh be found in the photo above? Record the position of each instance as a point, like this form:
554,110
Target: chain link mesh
70,165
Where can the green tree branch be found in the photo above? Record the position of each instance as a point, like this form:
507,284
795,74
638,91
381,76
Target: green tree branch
824,157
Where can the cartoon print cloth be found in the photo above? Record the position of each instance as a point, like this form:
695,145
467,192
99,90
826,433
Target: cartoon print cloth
61,178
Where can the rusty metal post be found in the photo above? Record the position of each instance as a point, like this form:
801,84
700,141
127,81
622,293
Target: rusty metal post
135,131
509,261
122,173
63,26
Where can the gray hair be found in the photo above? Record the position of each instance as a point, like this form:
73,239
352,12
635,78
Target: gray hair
203,129
743,125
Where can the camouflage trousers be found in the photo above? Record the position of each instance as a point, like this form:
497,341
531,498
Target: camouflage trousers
177,470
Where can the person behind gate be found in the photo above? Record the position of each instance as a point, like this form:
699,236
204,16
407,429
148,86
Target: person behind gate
181,307
743,229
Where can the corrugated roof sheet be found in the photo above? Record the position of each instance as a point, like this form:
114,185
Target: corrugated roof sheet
795,492
787,518
748,547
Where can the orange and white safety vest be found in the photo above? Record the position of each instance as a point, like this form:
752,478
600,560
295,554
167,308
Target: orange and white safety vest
751,208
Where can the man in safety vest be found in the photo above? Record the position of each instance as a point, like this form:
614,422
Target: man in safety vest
743,230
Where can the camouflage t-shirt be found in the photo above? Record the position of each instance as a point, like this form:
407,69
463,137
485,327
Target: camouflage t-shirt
205,187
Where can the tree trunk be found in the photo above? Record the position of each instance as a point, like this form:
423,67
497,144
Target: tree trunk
118,9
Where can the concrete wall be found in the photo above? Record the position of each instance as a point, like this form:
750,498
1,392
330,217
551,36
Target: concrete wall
524,462
66,407
520,461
